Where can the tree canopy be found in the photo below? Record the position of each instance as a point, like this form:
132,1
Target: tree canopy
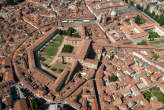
113,78
139,7
69,32
36,103
158,18
139,20
67,48
153,35
147,95
155,56
142,43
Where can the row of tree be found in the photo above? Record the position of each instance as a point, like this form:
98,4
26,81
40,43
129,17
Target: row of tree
139,20
69,32
158,18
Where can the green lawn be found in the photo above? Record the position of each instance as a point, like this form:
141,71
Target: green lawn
156,42
52,48
67,49
58,68
143,42
113,78
159,95
154,91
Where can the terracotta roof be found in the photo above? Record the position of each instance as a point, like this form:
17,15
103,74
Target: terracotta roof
83,48
20,105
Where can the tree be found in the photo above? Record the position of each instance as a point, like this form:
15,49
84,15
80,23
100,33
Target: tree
59,31
139,7
158,18
147,95
139,20
71,29
113,78
11,39
60,70
76,35
67,48
35,102
153,35
143,42
155,56
53,69
131,2
68,33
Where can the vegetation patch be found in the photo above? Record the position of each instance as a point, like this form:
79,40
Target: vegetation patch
52,48
139,20
113,78
155,56
147,95
157,42
48,52
58,68
157,18
2,39
154,91
67,49
35,102
153,35
69,32
143,42
139,7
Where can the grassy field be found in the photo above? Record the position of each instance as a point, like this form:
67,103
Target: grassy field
159,95
52,48
156,42
58,68
154,91
48,52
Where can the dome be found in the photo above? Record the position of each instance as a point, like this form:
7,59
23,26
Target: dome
113,13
